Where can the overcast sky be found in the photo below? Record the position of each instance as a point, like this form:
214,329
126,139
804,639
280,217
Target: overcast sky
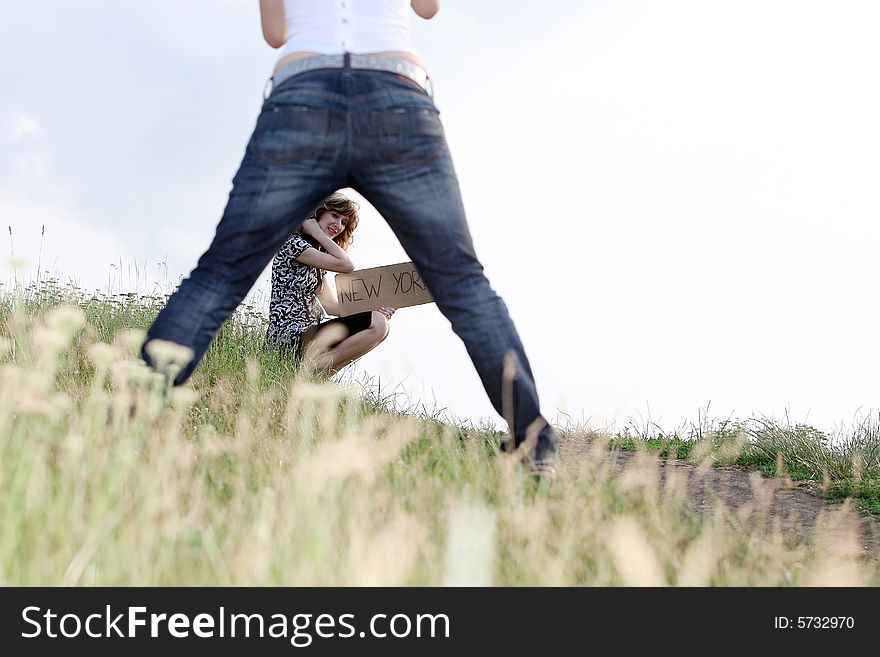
677,200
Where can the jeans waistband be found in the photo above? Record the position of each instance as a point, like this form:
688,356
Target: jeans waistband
349,60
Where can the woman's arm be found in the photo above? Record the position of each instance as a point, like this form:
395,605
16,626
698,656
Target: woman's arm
335,259
327,296
274,22
426,8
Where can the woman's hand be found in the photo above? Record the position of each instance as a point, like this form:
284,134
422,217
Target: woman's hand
387,311
311,228
332,258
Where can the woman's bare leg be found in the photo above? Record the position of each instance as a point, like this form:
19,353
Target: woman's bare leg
332,348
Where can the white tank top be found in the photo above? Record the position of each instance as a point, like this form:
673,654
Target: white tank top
331,27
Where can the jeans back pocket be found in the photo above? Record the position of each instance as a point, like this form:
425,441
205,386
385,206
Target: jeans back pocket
408,135
287,133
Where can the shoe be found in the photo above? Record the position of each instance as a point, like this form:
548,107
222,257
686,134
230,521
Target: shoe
543,469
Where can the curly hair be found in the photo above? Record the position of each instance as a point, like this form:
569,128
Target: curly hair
343,205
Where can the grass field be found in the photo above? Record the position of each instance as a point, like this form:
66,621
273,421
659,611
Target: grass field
253,475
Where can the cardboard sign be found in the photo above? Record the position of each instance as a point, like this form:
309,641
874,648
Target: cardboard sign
395,286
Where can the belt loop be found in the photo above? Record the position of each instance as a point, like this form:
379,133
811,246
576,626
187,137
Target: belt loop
346,60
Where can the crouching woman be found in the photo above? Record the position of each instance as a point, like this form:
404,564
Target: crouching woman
300,298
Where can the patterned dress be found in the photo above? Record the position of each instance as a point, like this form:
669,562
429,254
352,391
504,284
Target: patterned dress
293,308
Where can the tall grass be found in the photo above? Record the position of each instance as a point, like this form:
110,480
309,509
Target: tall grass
254,475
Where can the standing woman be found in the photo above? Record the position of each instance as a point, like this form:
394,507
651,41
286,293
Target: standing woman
300,296
351,106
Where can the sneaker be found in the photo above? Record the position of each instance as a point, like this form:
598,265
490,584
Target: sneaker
543,469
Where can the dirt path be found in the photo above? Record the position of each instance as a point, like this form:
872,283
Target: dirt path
783,504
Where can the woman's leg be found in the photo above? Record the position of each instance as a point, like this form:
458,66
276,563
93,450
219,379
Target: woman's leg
402,165
294,159
333,346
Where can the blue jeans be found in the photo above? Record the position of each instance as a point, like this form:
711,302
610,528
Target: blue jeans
380,134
